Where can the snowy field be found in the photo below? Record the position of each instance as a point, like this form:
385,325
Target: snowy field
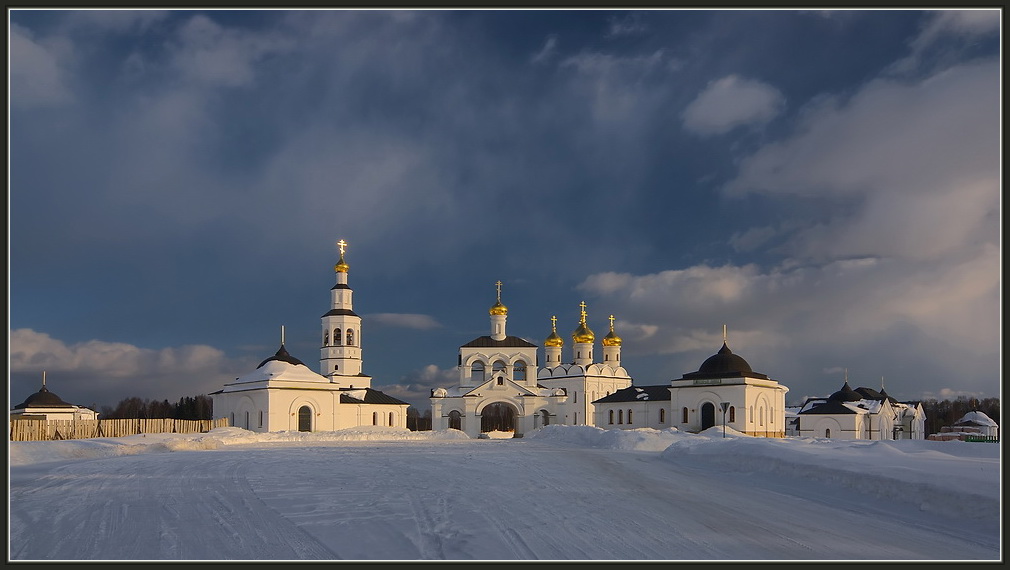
560,493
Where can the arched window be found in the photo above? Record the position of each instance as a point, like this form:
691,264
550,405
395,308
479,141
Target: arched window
375,418
519,371
662,415
620,416
350,337
392,419
827,433
761,416
732,413
455,420
336,337
261,418
629,416
497,367
501,381
326,338
477,372
575,396
606,357
247,420
611,416
233,419
750,415
684,420
304,418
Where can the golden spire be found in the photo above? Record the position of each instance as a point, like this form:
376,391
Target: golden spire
554,340
612,339
498,308
341,266
583,334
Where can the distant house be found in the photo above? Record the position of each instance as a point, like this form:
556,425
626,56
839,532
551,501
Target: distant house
635,407
974,425
863,413
46,405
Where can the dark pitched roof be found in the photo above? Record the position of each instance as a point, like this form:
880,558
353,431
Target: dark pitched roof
371,397
283,356
635,394
488,342
869,393
724,364
341,312
830,407
340,286
43,399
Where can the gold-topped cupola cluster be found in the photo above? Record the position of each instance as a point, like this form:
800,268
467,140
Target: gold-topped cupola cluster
341,266
612,339
498,308
554,340
583,334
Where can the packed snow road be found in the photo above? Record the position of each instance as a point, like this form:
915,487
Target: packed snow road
454,500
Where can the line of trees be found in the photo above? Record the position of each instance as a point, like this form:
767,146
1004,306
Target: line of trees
187,408
941,413
417,420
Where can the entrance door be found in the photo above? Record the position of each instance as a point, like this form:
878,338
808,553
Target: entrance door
497,417
707,415
304,418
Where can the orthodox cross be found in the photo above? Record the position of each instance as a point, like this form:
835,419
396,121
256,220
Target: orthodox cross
724,333
498,285
554,323
342,244
611,322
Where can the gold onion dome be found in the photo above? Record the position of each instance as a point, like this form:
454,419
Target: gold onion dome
341,266
498,308
554,340
612,339
583,334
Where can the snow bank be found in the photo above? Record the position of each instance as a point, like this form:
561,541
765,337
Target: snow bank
950,477
641,439
32,452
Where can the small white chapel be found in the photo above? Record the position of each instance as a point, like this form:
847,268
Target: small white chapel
283,393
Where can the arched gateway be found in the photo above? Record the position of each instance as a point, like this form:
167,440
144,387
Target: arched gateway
498,416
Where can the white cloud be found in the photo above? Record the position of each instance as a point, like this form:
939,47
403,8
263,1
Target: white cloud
403,320
914,166
415,387
37,74
111,371
732,102
547,52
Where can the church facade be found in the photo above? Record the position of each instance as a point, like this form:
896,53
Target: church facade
724,390
863,413
283,393
502,387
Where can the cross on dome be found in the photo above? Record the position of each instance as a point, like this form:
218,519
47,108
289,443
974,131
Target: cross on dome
342,245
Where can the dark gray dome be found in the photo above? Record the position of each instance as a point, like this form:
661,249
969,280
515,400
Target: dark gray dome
43,399
724,364
845,394
283,356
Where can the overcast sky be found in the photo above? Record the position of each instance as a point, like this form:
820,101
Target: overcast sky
824,183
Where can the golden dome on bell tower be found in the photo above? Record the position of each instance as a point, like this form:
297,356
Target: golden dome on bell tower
583,334
498,308
612,339
555,340
341,266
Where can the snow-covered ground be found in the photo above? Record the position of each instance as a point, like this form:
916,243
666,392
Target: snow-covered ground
560,493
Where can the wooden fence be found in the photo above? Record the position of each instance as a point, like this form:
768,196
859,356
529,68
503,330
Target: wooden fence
46,430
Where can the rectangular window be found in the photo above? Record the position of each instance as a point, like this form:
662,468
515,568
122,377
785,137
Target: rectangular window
261,418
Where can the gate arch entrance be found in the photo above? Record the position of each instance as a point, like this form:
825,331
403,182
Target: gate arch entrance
498,416
707,415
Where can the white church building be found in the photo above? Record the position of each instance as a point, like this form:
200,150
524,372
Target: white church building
502,388
863,413
724,389
283,393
